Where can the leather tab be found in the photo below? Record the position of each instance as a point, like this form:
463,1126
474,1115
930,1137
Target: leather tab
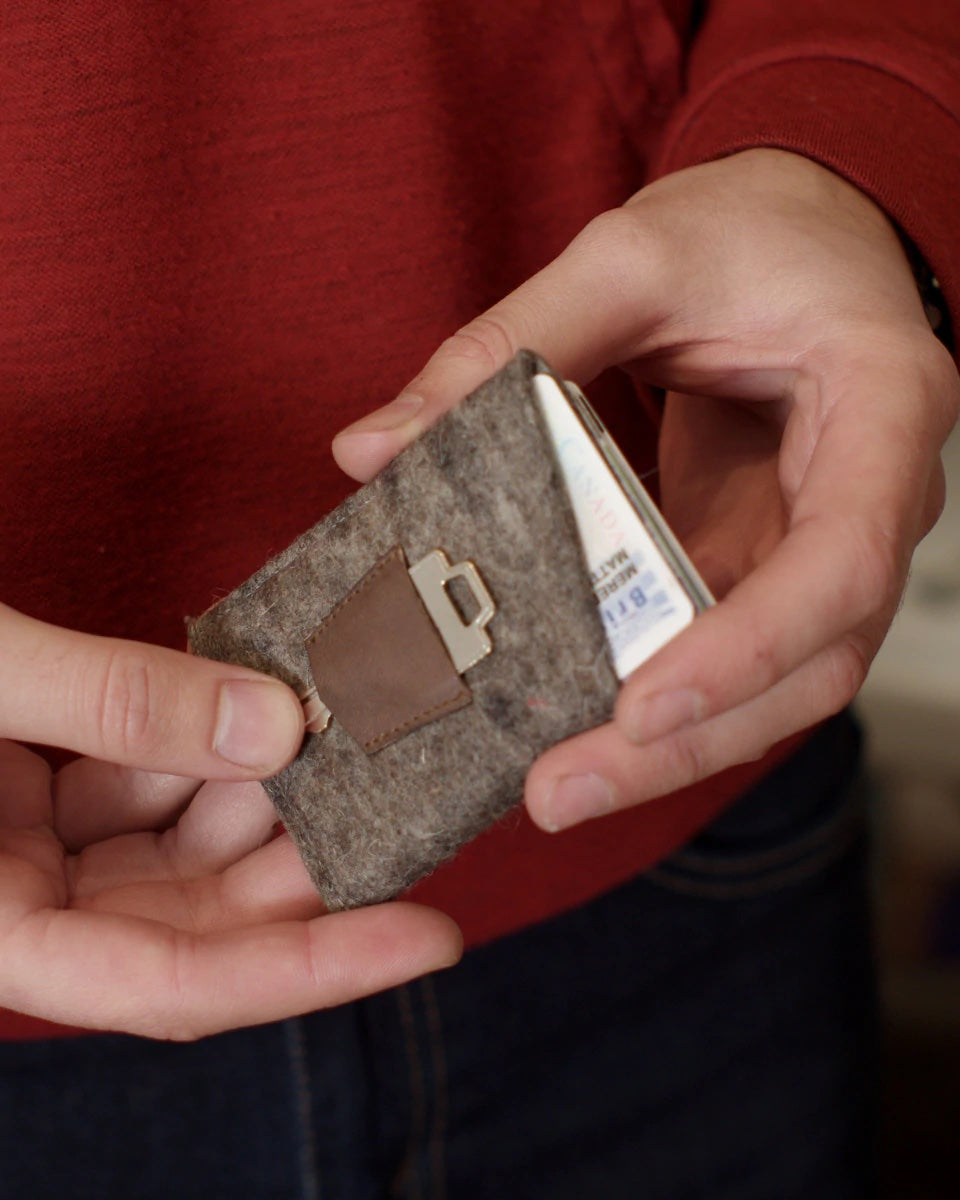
379,663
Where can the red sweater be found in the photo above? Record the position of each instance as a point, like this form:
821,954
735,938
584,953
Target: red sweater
227,229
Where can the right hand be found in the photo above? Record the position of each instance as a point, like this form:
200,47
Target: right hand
807,404
134,897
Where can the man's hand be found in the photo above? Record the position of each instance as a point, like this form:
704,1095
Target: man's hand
143,706
807,405
147,902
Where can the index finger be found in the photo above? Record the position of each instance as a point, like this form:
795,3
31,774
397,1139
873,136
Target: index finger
140,705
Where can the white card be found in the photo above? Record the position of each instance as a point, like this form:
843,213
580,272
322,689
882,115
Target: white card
642,602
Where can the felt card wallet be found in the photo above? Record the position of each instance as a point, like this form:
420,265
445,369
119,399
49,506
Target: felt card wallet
441,629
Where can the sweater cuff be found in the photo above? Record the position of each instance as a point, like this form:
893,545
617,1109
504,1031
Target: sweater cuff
896,142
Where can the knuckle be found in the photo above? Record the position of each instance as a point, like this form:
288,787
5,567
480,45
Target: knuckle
177,1023
689,760
170,1027
127,706
849,664
877,569
617,229
316,966
623,240
935,499
926,372
755,750
939,371
765,667
486,340
179,1029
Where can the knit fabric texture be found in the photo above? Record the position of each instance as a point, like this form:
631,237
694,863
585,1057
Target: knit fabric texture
482,485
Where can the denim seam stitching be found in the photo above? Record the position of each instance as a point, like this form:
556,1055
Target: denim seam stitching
435,1143
794,850
747,889
408,1174
303,1094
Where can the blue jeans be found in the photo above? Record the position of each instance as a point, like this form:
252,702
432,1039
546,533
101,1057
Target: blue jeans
705,1031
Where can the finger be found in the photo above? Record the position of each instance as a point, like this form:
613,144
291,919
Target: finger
589,308
270,884
94,800
600,772
121,973
24,788
842,565
224,823
142,706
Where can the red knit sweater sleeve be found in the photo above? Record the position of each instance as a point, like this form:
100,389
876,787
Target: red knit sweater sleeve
869,89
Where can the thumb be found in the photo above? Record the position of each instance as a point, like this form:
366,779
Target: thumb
583,312
140,705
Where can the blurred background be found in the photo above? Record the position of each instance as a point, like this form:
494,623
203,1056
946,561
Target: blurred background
910,707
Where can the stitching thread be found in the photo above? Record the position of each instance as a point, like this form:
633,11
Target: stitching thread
422,717
299,1069
438,1126
408,1172
806,866
437,710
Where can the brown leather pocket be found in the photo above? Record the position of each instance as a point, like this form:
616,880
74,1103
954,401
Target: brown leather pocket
379,663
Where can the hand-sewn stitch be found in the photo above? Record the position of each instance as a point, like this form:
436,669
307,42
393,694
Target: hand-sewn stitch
378,661
438,710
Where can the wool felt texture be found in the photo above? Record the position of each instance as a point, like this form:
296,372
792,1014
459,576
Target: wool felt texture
482,485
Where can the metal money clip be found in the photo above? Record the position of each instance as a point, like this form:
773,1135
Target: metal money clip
466,643
396,643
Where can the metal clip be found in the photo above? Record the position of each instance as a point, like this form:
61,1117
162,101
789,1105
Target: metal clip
316,715
466,644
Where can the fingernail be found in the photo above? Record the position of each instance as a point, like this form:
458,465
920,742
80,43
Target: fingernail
395,415
575,798
258,724
653,717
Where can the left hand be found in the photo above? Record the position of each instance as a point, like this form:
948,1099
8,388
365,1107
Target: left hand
807,405
160,906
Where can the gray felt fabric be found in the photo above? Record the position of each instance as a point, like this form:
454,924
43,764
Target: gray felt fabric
482,485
